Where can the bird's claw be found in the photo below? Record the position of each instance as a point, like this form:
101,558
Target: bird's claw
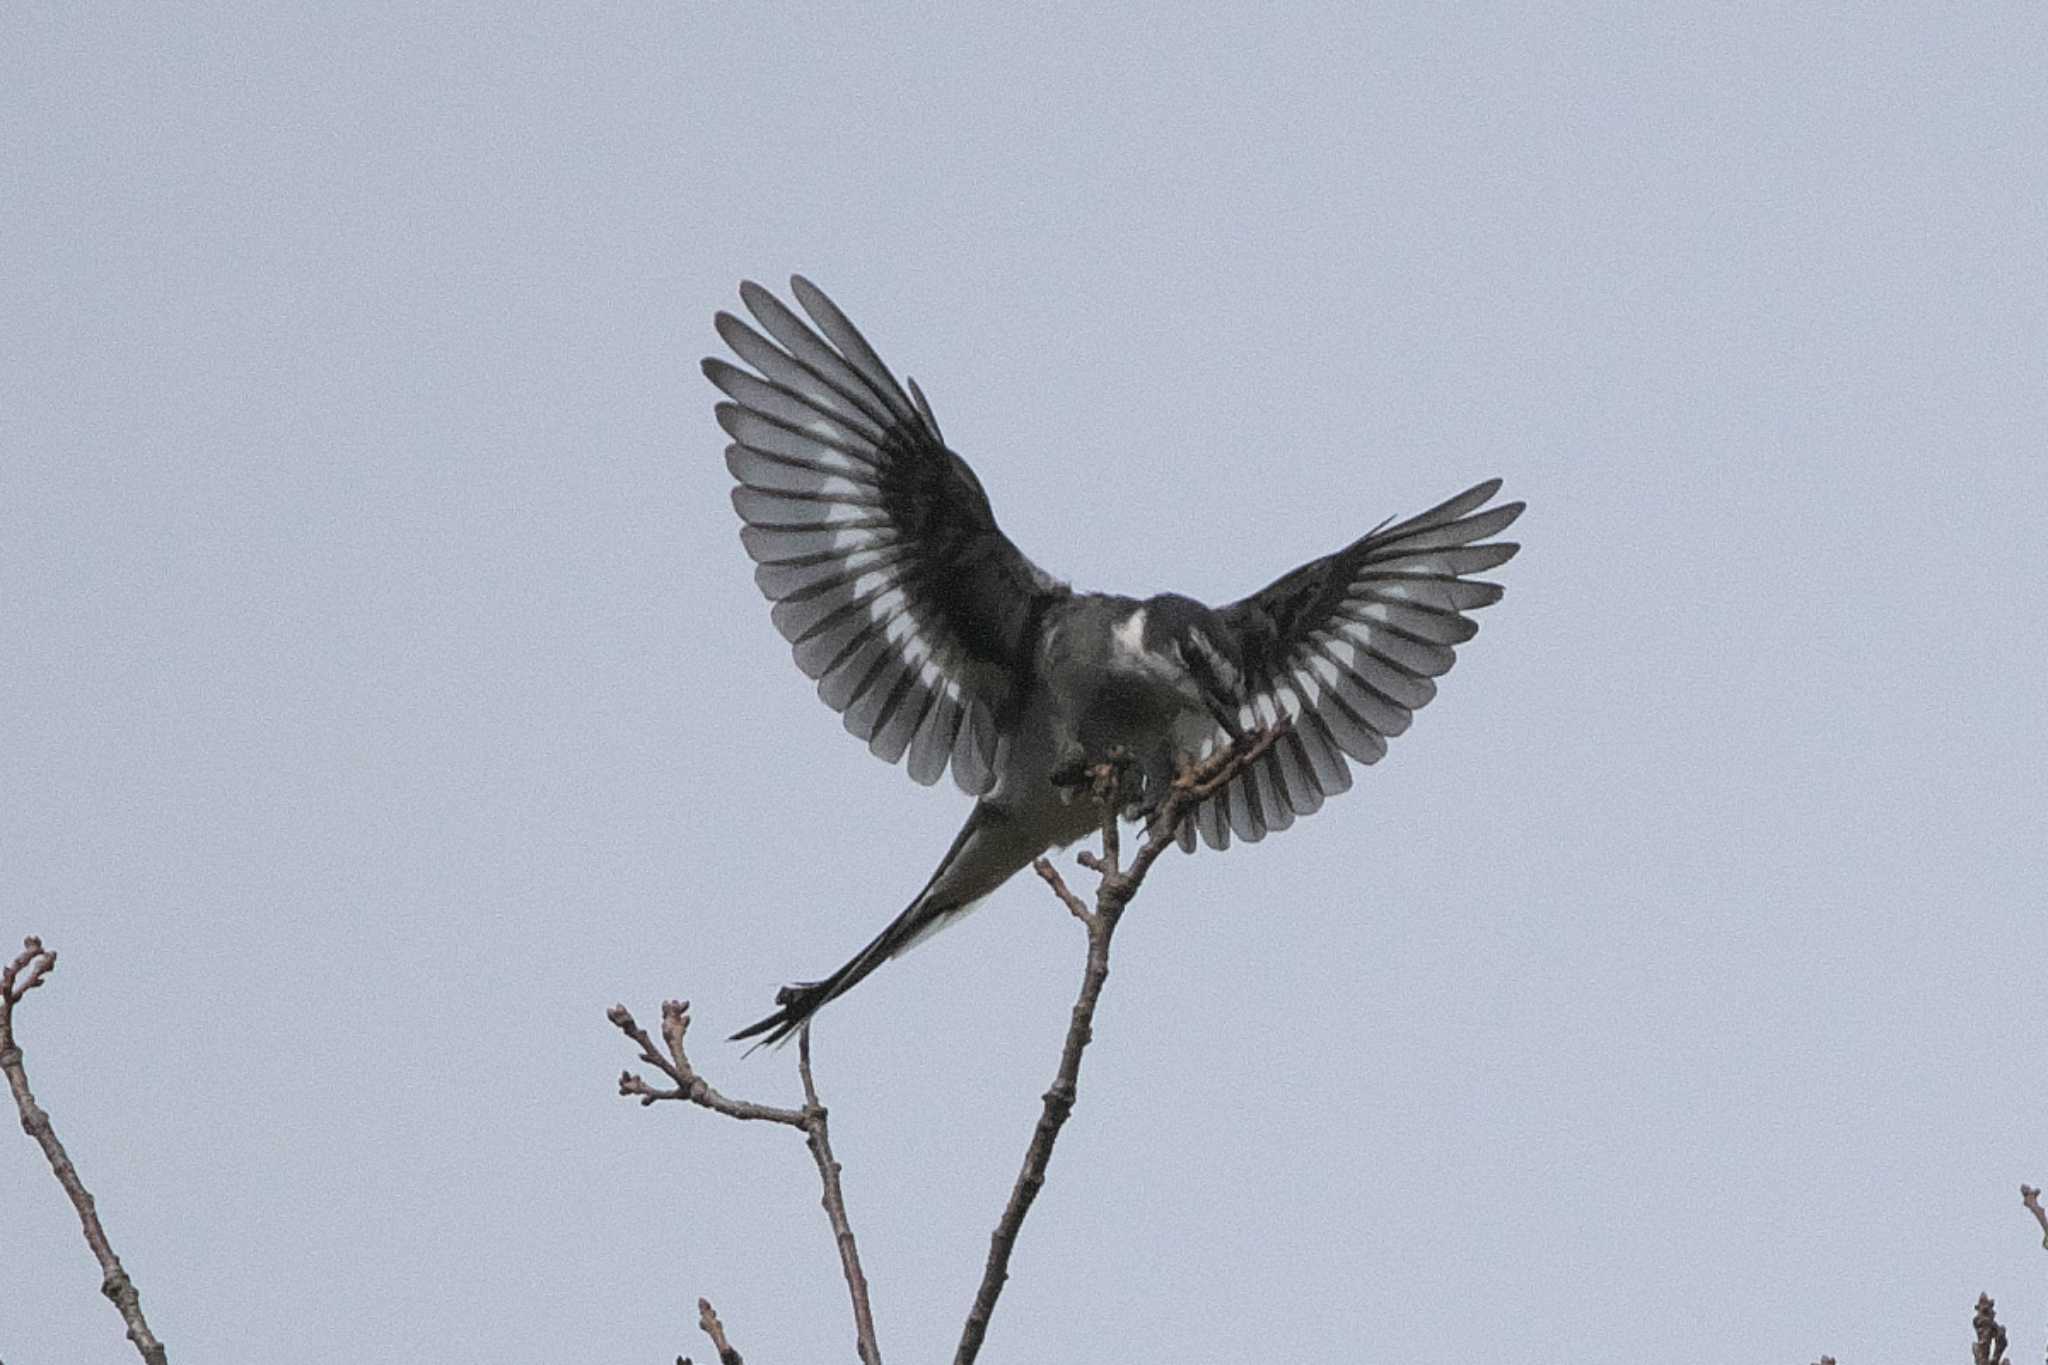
1115,777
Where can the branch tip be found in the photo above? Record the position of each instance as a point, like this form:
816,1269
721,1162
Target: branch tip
26,972
34,959
1989,1348
713,1328
810,1120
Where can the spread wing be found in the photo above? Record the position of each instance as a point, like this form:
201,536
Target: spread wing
876,543
1349,646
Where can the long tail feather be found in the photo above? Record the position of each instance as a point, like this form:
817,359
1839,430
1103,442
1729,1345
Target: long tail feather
984,855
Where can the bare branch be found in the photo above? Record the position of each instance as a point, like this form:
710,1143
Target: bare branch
21,976
2031,1197
674,1062
1112,895
1077,907
715,1329
1990,1344
675,1022
820,1143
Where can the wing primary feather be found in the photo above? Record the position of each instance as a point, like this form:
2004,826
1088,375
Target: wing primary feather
753,465
814,351
933,745
1298,775
924,409
793,371
1463,531
1333,774
1450,508
783,404
840,680
880,693
1276,808
1354,734
781,543
808,618
841,332
971,765
1444,592
892,741
1427,624
1213,820
754,427
1456,561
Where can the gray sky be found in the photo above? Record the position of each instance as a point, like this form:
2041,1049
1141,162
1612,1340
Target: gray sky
386,692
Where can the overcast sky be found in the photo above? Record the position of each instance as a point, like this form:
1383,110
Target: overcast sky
384,691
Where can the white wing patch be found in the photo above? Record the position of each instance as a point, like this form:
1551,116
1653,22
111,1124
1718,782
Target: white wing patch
1128,637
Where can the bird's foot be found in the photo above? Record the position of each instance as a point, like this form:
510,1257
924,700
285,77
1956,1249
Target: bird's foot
1120,779
1114,777
1070,771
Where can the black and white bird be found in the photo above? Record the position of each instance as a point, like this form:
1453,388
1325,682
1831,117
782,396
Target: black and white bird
944,647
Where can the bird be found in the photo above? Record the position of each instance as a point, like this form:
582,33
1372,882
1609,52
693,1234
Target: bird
945,649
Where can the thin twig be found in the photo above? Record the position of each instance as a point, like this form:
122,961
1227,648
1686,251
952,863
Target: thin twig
2031,1197
715,1329
675,1022
674,1062
1989,1348
1077,907
820,1143
1112,896
21,976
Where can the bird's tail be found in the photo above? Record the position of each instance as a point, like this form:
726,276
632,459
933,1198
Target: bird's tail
989,849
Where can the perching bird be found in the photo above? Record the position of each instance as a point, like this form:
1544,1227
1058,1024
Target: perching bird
937,640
